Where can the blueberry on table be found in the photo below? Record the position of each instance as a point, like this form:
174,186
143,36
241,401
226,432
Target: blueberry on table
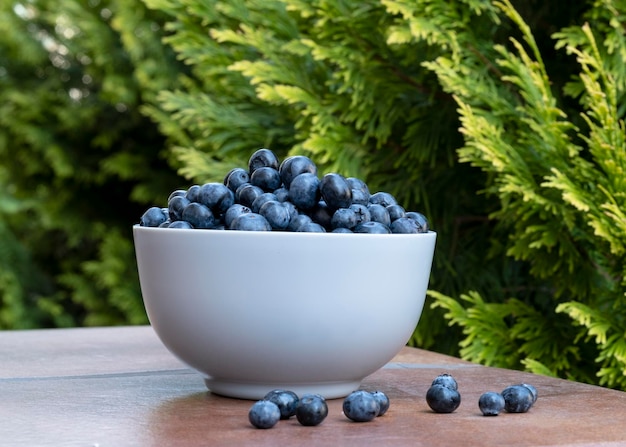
361,406
250,222
532,389
311,409
264,414
446,379
336,191
153,217
517,399
383,401
491,403
304,190
262,158
442,399
286,400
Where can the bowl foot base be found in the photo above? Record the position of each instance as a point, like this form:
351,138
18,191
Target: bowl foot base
256,391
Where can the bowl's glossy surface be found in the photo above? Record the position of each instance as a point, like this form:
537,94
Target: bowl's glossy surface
309,312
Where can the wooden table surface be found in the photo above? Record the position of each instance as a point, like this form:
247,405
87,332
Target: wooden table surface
119,387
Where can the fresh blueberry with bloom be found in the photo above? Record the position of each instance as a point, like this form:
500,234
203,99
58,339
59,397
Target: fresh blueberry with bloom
395,212
360,191
276,213
532,389
260,200
442,399
362,213
193,193
372,227
180,224
517,399
176,205
322,214
361,406
250,222
379,213
344,218
335,191
235,178
247,193
311,227
404,225
216,196
491,403
446,379
383,198
421,220
233,212
266,178
264,414
297,221
198,215
153,217
262,158
311,410
304,191
293,166
286,400
383,401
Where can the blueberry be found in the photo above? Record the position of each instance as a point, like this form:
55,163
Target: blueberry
286,400
297,221
442,399
342,230
247,193
360,191
250,222
322,214
344,218
517,399
181,224
532,389
234,211
153,217
361,406
198,215
291,167
216,196
491,403
193,193
383,402
235,178
165,224
276,213
282,194
264,414
372,227
311,409
175,207
304,190
266,178
383,198
336,191
260,200
262,158
446,380
404,225
379,213
421,220
362,213
311,227
395,212
177,192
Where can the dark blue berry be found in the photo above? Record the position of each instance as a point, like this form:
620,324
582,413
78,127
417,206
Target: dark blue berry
250,222
235,178
336,191
297,221
234,211
361,406
266,178
379,213
342,230
383,198
247,193
372,227
404,225
180,224
153,217
532,389
383,401
217,197
344,218
260,200
360,191
421,220
362,213
311,410
193,193
264,414
262,158
311,227
491,403
304,191
395,212
177,192
442,399
446,380
291,167
276,213
198,215
287,402
175,207
517,399
282,194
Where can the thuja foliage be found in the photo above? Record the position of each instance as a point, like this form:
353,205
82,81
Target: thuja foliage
78,161
527,198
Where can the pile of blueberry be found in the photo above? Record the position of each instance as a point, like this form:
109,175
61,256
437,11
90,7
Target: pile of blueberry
443,397
286,196
311,409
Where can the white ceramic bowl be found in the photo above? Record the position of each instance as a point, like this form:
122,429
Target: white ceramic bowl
308,312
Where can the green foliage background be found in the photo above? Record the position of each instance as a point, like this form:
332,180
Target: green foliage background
501,121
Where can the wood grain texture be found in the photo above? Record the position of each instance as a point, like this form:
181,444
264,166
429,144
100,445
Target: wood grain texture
120,387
